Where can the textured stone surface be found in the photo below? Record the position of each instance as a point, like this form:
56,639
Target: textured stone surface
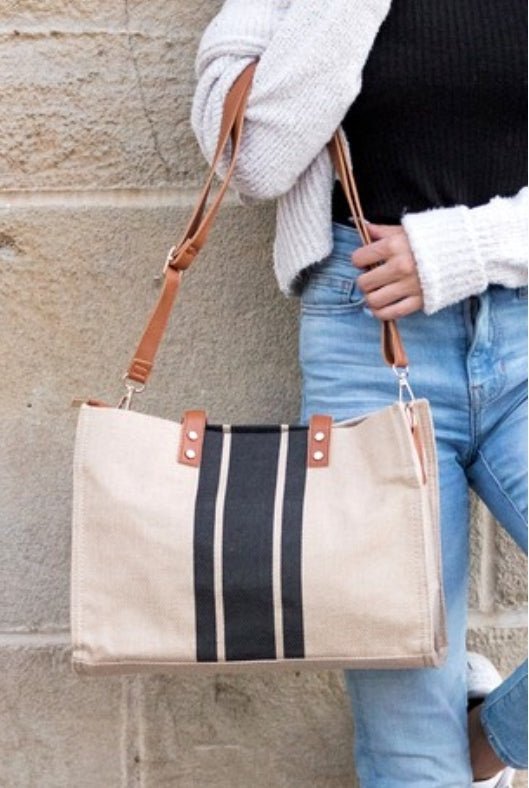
98,99
56,731
155,17
511,569
292,730
498,566
478,517
506,648
75,291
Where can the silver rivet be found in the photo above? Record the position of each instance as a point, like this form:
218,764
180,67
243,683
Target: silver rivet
318,455
190,454
192,435
319,436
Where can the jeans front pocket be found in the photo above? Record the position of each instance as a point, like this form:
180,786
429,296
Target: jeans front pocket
329,292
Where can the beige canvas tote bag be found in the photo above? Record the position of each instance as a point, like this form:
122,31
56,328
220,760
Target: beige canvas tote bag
219,547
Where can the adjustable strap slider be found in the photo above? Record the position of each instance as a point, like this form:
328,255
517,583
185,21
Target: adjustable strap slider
180,257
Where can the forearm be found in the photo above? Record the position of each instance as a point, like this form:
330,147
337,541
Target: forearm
459,251
309,73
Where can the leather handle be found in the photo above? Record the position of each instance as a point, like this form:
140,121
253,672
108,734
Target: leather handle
195,234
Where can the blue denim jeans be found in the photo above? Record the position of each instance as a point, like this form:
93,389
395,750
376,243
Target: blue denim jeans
470,361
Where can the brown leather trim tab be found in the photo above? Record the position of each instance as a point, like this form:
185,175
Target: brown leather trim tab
416,432
97,403
417,439
319,441
192,437
94,403
139,370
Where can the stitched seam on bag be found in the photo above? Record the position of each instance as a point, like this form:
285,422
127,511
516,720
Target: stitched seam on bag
417,659
404,439
80,528
420,564
428,433
421,513
427,608
80,531
428,514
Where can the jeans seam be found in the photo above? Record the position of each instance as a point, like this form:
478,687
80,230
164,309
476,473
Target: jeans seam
500,487
475,425
497,337
474,400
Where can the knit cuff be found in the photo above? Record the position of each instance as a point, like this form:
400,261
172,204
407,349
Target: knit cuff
446,248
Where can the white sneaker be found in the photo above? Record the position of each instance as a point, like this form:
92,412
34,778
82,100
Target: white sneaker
482,678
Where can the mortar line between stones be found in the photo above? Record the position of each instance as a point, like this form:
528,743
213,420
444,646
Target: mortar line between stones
498,619
65,30
130,729
127,197
515,618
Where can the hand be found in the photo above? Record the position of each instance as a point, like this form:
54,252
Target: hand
392,289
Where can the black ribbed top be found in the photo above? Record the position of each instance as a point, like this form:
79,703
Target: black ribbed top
441,118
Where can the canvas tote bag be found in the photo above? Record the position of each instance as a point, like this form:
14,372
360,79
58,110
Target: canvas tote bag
219,547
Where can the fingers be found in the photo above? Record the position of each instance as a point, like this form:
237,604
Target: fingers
385,296
389,246
395,269
391,285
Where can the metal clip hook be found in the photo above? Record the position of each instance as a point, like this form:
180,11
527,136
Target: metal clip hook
402,375
126,400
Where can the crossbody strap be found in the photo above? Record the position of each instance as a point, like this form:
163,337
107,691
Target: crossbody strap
194,237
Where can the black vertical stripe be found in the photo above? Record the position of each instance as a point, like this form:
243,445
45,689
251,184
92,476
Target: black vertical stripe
291,542
247,544
203,538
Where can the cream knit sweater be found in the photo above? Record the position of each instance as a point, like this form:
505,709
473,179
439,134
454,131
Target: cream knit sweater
311,54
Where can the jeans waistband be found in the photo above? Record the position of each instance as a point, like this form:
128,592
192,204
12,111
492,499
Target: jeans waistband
344,231
344,237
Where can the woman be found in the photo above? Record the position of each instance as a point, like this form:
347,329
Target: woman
431,97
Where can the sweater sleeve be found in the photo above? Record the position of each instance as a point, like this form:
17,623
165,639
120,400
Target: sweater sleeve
459,251
311,54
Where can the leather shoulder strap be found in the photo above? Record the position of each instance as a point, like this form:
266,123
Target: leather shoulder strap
392,346
182,254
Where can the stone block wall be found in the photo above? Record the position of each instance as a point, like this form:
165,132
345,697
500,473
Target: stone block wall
99,170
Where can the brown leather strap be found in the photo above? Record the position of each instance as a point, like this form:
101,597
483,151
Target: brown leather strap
194,237
392,345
